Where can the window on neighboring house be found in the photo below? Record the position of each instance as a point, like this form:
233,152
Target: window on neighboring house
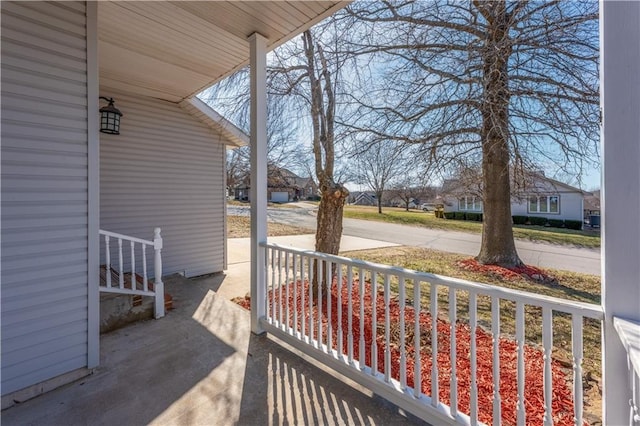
544,204
470,203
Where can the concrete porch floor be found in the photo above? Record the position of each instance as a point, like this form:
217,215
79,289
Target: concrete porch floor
200,365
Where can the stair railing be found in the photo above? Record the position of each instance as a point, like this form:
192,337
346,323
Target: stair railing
154,289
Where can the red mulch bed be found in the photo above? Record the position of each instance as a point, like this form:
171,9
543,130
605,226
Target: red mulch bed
534,363
507,274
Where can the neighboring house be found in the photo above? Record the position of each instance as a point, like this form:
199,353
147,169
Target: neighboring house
63,180
592,204
363,199
541,197
241,192
282,186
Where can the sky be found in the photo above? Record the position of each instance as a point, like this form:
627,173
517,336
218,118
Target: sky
589,179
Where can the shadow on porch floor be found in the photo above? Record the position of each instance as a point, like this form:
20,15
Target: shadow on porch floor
200,365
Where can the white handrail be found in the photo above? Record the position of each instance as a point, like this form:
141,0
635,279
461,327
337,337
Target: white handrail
126,237
158,285
587,310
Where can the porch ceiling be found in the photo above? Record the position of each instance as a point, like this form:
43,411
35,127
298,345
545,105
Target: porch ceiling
173,50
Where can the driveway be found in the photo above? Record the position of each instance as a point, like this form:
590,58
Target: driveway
532,253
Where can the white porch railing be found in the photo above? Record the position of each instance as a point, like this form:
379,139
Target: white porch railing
375,326
111,241
629,332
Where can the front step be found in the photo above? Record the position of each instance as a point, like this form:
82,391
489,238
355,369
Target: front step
118,310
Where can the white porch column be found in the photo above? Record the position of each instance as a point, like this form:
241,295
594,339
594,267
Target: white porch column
258,191
620,100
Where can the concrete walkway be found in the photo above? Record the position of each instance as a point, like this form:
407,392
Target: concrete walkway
200,365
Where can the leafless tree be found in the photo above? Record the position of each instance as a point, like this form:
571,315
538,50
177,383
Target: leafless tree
512,82
377,163
284,149
307,74
237,166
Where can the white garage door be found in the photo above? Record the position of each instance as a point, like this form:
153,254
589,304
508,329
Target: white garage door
279,197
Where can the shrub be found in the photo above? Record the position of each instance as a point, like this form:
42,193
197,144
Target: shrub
573,224
449,215
459,215
474,216
556,223
520,220
536,220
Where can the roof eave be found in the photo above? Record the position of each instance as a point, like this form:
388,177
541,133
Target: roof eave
276,43
214,120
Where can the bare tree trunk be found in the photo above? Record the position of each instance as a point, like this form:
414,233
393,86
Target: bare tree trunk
379,200
329,228
498,247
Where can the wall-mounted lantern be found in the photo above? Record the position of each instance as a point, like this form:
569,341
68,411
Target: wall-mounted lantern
110,118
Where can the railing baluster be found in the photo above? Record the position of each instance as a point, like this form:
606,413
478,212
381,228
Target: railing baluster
547,344
273,287
495,330
634,402
473,357
280,310
435,392
265,265
339,291
453,382
374,322
361,347
134,282
403,349
303,325
521,410
319,265
121,270
387,329
145,279
577,349
295,294
328,280
310,266
287,304
350,313
108,260
417,372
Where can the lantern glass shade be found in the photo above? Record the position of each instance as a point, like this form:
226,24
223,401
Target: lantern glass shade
110,118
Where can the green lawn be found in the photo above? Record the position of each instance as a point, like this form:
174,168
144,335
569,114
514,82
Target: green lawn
428,220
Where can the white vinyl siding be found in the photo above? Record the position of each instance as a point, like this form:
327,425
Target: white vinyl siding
570,207
44,192
165,169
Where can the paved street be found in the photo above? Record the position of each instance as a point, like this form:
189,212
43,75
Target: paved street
533,253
